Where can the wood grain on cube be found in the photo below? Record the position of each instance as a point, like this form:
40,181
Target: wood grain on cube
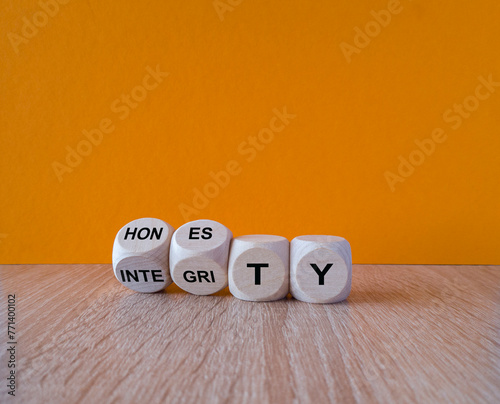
320,269
259,267
199,255
141,254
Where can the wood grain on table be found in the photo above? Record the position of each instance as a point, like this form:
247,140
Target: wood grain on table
422,334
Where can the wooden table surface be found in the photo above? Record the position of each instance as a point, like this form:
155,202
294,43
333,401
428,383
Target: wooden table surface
422,334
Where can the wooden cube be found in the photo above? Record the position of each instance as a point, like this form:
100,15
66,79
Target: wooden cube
141,253
198,256
259,267
320,269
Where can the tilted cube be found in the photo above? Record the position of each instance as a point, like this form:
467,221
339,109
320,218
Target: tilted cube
141,253
198,256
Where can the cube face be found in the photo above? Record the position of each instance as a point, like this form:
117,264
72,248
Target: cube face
321,269
202,236
198,256
199,275
142,274
259,268
144,235
140,255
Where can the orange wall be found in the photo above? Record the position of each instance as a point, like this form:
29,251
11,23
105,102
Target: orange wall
314,121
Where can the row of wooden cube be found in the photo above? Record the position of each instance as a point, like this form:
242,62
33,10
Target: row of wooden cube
202,258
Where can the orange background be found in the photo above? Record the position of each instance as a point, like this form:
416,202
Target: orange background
229,66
